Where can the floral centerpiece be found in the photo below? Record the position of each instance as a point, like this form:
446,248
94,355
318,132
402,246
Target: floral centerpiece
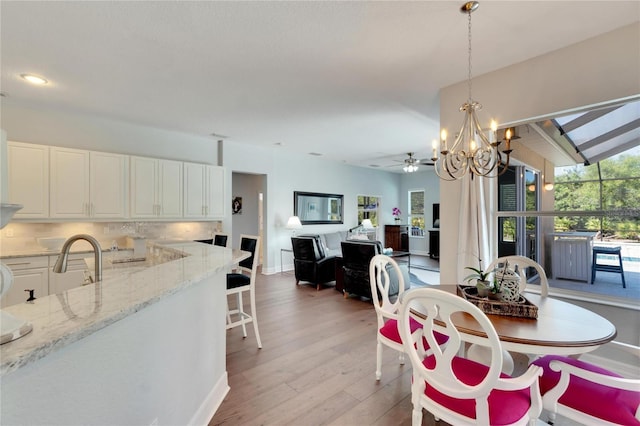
396,214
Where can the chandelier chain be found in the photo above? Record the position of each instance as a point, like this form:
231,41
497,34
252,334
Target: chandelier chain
469,56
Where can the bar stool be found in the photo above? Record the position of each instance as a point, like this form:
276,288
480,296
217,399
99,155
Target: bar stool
607,268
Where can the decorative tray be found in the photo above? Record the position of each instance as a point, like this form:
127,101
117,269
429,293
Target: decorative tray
521,308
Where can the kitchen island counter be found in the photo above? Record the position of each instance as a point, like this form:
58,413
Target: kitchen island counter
156,315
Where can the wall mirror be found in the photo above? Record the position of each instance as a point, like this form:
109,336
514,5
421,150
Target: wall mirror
314,208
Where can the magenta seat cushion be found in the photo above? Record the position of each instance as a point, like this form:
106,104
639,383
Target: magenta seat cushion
505,407
391,332
614,405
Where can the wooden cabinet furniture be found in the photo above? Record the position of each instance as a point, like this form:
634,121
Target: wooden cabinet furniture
155,188
397,237
88,184
203,191
434,243
28,179
28,273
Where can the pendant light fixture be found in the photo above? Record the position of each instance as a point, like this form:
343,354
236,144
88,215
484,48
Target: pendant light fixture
472,151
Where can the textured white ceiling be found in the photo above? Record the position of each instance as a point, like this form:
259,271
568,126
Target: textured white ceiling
355,81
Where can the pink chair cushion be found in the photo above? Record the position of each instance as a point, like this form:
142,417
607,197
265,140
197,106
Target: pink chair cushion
614,405
505,407
391,332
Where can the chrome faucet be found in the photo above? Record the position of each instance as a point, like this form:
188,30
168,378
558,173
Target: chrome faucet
61,263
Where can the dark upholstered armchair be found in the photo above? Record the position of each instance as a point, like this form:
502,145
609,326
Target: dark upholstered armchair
356,256
310,262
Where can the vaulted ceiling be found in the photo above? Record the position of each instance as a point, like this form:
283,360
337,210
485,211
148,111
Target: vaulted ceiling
354,81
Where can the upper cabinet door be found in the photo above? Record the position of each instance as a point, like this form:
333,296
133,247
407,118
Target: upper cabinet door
108,185
28,177
156,188
170,188
69,183
88,184
203,191
144,187
194,190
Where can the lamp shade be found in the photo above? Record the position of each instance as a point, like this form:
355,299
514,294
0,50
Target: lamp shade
366,224
294,223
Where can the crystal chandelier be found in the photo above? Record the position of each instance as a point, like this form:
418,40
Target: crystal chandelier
471,152
410,164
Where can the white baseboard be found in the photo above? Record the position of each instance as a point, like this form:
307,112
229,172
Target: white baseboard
211,403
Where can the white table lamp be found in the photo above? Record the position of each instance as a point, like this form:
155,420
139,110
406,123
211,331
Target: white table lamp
294,223
366,224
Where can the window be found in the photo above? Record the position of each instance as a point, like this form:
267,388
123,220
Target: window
416,213
518,190
368,208
595,205
604,197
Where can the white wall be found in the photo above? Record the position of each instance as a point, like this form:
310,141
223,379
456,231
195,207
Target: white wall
591,72
288,172
59,128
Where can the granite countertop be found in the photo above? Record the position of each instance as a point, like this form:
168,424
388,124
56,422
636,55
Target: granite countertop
39,251
61,319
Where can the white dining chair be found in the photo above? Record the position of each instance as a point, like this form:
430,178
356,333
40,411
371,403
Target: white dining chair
387,283
523,263
587,393
455,389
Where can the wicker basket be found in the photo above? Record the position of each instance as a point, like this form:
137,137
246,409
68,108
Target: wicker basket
521,308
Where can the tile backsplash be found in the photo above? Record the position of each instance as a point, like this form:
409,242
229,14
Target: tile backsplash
18,236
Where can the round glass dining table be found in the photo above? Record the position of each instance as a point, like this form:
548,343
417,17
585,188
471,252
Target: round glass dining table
561,328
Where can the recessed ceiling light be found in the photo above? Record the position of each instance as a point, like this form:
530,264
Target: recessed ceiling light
34,79
317,154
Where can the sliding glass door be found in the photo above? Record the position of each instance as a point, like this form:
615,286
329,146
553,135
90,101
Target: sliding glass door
518,190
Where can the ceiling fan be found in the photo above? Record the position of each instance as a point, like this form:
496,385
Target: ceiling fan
410,164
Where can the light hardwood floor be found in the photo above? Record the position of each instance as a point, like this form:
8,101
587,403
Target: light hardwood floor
317,365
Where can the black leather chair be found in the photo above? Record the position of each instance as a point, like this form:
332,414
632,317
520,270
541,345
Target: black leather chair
356,256
310,262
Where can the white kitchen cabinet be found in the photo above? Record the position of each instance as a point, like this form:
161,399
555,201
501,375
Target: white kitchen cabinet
74,277
87,184
28,273
156,188
203,191
28,177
